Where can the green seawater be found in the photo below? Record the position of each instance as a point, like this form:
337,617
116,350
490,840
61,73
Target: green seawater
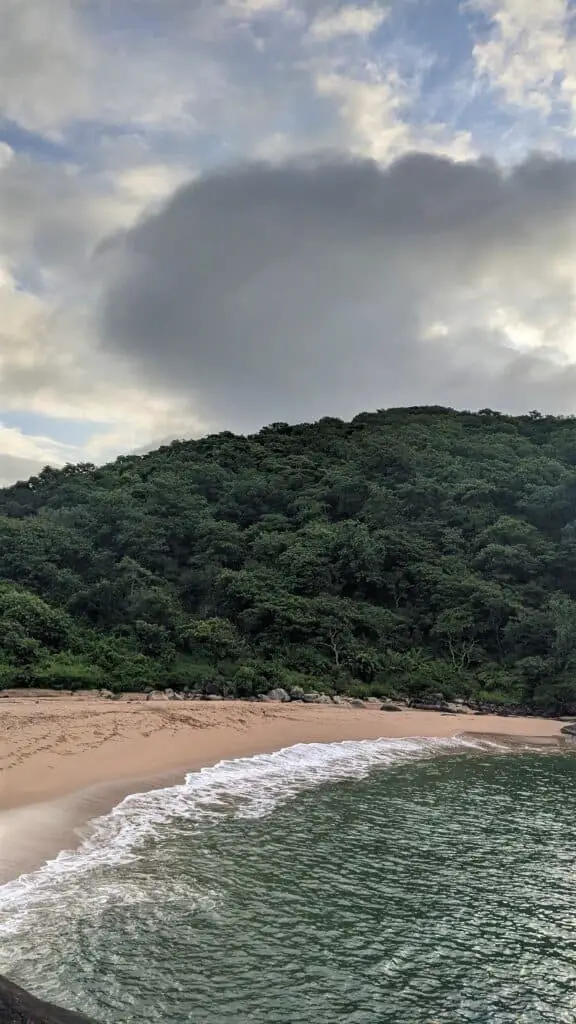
367,885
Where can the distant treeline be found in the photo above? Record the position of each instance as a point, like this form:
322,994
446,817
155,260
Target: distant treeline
410,551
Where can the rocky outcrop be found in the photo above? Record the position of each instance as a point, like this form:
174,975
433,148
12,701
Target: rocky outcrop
18,1007
569,730
390,705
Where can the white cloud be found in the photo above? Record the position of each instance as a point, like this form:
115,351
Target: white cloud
151,183
46,61
529,53
51,219
23,455
255,7
351,19
373,110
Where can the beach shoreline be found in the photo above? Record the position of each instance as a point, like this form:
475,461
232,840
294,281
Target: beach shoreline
64,762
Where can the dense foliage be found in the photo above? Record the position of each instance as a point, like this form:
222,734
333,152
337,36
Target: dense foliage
409,551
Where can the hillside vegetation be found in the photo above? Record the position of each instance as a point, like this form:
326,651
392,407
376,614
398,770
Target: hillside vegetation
409,551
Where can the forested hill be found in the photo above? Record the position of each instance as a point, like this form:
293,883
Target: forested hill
407,551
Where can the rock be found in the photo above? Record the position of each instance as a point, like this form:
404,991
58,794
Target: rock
357,703
458,707
211,687
429,705
297,693
569,730
213,696
323,698
18,1007
157,695
106,694
264,698
390,705
338,700
311,697
373,700
169,693
278,694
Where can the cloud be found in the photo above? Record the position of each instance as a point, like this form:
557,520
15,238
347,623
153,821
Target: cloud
108,108
23,455
286,292
351,19
529,55
45,63
73,61
373,109
51,218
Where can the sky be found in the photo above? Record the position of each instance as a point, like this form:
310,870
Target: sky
218,214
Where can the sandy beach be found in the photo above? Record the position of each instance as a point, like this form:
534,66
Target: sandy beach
64,760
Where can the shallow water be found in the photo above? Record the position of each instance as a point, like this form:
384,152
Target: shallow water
366,883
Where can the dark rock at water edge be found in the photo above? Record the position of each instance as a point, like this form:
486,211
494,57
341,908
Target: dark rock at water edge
569,730
18,1007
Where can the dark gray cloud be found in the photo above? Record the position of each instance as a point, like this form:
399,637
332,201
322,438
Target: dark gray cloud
325,286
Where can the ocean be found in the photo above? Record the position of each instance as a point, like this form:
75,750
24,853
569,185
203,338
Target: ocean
377,882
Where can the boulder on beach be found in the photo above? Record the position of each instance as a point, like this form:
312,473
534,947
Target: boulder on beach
569,730
427,705
297,693
390,705
157,695
18,1007
357,703
323,698
278,694
458,707
311,697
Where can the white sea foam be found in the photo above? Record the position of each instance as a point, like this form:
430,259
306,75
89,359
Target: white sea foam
247,787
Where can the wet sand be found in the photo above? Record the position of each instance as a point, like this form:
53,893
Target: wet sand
66,760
